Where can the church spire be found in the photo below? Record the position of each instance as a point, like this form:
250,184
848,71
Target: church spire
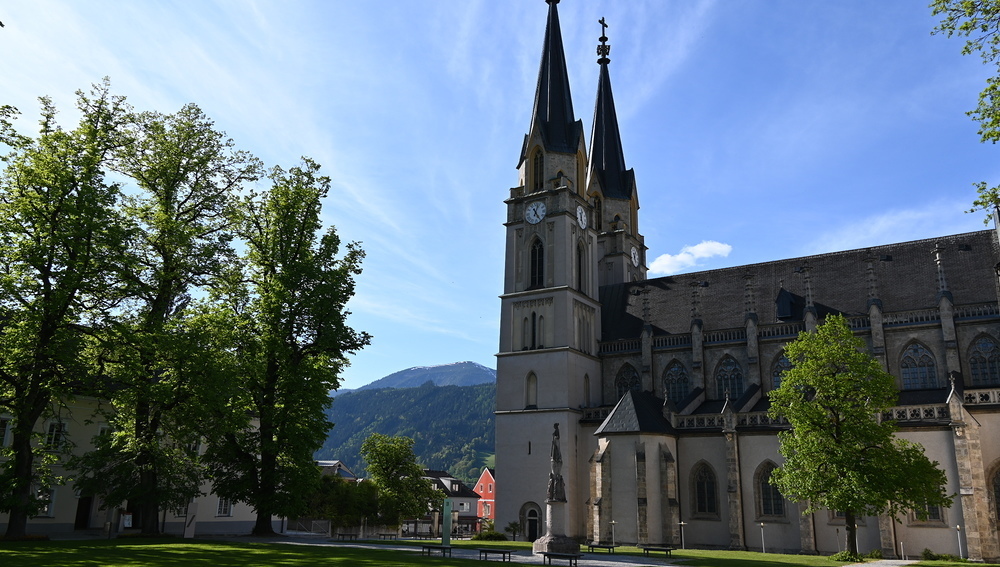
553,113
607,159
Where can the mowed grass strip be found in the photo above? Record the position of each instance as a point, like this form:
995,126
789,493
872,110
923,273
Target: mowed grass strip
161,552
157,553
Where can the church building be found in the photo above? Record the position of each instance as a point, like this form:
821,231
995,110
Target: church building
660,386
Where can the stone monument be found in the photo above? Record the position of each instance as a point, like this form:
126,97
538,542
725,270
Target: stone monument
555,540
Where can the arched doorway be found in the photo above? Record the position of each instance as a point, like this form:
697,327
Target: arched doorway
531,520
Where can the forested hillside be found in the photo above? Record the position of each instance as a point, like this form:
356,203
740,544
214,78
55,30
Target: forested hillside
452,426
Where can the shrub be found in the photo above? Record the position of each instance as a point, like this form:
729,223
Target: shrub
928,555
847,556
874,554
489,536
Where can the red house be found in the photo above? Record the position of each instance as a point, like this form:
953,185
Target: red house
486,489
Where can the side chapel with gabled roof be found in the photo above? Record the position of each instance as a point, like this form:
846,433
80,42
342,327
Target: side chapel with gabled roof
659,386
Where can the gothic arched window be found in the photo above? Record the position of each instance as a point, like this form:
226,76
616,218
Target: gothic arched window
984,361
728,378
996,492
675,382
536,278
628,379
769,500
581,259
537,170
918,368
779,368
705,487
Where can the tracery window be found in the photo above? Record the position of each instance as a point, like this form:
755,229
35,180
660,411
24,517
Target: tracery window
779,368
770,502
538,170
729,378
628,379
537,268
984,361
705,491
918,368
675,382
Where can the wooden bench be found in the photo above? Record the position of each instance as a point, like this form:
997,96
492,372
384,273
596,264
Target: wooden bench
595,545
485,552
573,558
664,548
351,537
387,536
428,549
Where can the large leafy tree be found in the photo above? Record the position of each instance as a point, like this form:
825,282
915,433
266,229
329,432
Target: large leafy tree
344,502
402,491
979,21
293,342
158,356
61,241
840,454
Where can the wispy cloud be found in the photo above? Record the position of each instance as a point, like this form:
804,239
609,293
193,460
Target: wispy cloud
688,257
900,225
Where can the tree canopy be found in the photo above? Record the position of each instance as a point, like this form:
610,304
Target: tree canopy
979,22
840,453
402,491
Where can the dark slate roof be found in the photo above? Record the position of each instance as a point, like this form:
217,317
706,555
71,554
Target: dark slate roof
443,480
906,279
553,111
636,412
607,159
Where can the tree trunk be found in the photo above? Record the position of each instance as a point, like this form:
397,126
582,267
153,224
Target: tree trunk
851,529
23,465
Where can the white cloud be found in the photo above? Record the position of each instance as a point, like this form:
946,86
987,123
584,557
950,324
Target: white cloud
688,257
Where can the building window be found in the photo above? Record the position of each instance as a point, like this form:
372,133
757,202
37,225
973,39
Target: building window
486,509
770,503
490,489
628,379
225,507
984,361
538,170
580,272
537,268
531,392
705,491
676,385
4,427
779,368
728,378
480,488
56,436
933,516
47,496
918,368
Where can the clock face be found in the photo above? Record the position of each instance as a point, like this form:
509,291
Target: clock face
581,216
635,257
535,212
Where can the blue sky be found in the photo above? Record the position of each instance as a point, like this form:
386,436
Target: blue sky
758,130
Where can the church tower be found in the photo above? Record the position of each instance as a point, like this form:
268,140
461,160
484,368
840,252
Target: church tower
547,368
611,189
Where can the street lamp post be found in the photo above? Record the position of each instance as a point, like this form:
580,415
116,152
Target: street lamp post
682,524
613,532
762,550
958,532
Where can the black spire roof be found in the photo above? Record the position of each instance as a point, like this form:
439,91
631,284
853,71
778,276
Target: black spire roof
607,160
553,112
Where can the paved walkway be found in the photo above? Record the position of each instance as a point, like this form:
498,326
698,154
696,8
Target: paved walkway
884,563
597,559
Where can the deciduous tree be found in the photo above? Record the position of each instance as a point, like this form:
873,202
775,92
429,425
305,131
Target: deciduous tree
402,491
293,342
61,240
840,453
979,21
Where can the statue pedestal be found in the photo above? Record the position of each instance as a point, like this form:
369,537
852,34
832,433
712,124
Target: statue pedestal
555,540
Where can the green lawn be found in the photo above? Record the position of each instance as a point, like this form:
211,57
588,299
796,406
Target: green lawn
168,552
